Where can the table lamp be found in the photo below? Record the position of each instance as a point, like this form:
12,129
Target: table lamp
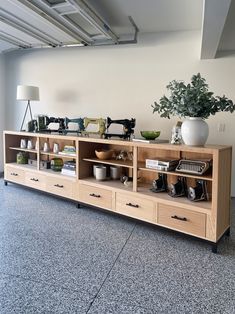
28,93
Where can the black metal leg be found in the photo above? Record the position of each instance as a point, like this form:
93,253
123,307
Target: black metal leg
227,233
214,248
78,205
5,183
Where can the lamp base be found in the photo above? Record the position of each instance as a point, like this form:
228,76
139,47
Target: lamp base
28,107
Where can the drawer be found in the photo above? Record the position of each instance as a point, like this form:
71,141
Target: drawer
14,174
135,207
182,219
35,180
95,196
60,186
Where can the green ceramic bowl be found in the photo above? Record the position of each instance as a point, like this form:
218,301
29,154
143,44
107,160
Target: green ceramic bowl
150,135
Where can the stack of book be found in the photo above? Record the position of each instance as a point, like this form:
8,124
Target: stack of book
68,150
69,168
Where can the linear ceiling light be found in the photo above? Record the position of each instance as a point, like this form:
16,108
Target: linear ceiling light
68,8
54,3
94,19
19,24
35,7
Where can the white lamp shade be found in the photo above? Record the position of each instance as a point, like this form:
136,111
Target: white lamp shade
25,92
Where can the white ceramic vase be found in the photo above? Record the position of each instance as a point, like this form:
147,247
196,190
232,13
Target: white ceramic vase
194,131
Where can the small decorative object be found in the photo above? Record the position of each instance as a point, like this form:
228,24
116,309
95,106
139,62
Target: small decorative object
198,167
160,184
30,144
22,158
115,172
45,164
100,173
179,188
124,155
195,101
128,128
56,164
32,162
127,181
46,147
130,156
176,136
23,143
56,148
150,135
104,154
199,192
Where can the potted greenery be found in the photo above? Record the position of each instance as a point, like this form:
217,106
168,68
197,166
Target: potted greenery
195,102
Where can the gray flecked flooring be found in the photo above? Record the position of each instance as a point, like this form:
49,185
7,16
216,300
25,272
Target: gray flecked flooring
56,258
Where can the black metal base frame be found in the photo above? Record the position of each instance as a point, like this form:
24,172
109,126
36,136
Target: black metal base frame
214,245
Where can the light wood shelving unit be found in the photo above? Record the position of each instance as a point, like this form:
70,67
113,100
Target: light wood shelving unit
208,220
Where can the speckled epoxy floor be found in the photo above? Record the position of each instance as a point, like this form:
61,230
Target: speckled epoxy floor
56,258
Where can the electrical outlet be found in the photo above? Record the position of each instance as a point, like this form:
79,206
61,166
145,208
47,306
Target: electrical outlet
221,127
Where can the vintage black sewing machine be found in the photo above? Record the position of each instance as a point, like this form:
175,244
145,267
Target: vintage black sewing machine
128,128
78,121
44,121
41,123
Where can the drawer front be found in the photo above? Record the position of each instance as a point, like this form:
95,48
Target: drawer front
35,180
182,219
60,186
95,196
135,207
14,174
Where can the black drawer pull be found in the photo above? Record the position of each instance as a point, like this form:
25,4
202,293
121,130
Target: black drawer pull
58,186
95,195
33,179
179,218
14,174
132,205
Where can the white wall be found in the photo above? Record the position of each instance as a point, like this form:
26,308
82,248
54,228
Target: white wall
2,107
119,81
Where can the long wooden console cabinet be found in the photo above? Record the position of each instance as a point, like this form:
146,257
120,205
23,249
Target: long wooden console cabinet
208,220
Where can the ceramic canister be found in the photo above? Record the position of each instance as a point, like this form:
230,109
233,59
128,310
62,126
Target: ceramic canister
115,172
100,173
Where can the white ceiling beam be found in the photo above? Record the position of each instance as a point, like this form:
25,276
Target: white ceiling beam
214,16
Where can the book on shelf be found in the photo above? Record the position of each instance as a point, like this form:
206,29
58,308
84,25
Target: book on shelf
68,150
67,172
143,140
68,167
69,164
67,153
